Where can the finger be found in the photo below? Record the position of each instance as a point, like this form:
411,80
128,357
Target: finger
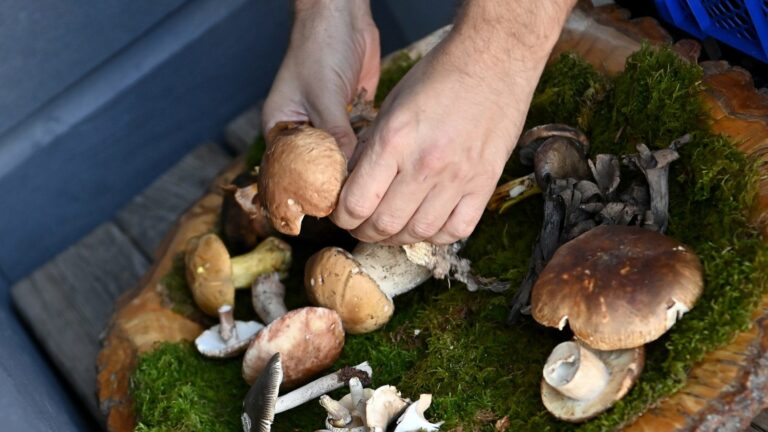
363,190
463,219
279,107
329,113
430,217
399,204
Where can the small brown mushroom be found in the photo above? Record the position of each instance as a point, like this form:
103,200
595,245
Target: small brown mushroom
309,339
580,382
617,286
301,174
244,222
360,285
213,275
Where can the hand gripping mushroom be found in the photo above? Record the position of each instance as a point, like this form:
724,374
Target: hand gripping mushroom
309,339
618,288
213,275
262,402
555,151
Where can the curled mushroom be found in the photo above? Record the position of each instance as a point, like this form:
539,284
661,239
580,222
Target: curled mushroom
384,406
213,275
413,419
579,382
228,338
309,339
360,285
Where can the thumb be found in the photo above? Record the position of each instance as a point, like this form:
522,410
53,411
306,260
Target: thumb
331,115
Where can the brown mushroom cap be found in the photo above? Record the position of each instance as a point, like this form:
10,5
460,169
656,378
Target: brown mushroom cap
309,340
244,222
624,367
617,286
301,173
334,279
209,273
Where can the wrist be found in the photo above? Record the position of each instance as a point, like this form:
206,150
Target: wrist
309,9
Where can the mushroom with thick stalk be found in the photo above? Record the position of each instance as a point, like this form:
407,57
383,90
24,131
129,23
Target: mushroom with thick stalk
301,174
580,382
360,285
309,339
262,402
213,275
228,338
617,286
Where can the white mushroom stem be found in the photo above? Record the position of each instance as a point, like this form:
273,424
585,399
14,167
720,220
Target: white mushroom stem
338,415
315,389
357,394
227,328
268,297
390,267
575,371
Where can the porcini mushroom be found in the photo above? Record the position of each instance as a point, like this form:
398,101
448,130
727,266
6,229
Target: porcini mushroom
360,285
579,382
213,275
228,338
262,402
301,174
617,286
309,339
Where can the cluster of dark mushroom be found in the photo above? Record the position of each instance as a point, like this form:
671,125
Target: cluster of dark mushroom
602,264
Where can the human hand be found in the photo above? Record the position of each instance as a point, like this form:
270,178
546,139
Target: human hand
333,54
427,166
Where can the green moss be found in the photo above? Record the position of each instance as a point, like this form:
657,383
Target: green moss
255,152
176,390
454,344
401,64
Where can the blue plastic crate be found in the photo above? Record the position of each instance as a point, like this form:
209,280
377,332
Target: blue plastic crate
742,24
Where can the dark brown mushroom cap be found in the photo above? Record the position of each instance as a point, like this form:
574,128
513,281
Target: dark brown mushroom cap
244,221
301,173
309,341
617,286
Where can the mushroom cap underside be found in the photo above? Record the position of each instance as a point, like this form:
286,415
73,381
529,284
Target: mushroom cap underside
617,286
335,280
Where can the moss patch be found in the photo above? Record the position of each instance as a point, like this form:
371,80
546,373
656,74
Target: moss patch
455,344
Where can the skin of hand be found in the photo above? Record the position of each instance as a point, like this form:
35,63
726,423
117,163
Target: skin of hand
333,53
427,166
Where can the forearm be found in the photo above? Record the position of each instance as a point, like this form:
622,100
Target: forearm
509,36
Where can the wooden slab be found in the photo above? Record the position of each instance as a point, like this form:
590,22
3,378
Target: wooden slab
241,132
149,216
69,301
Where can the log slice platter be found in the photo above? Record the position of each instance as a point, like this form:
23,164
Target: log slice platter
724,392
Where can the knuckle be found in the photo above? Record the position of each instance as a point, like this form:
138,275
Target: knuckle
385,225
460,229
357,207
423,229
431,160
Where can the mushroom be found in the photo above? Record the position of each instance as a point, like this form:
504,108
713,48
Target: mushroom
413,419
617,286
302,172
384,406
309,339
555,151
580,382
228,338
348,413
360,285
262,402
244,222
213,275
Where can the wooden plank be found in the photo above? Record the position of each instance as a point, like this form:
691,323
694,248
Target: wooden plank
760,423
148,217
68,302
241,131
